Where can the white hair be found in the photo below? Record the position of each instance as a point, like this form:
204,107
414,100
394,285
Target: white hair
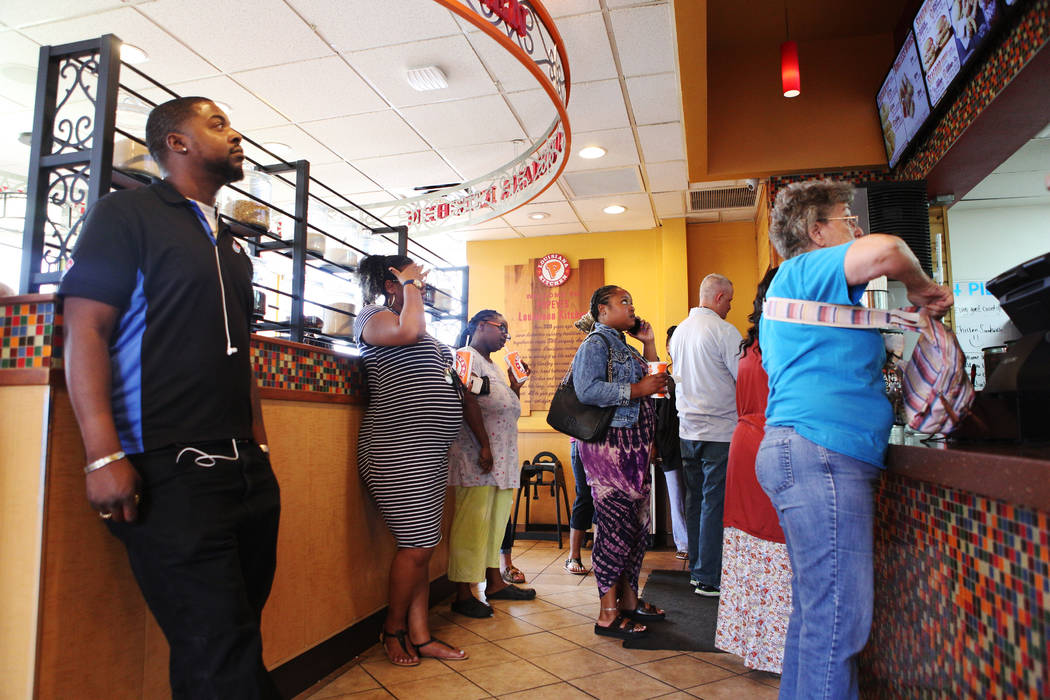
712,285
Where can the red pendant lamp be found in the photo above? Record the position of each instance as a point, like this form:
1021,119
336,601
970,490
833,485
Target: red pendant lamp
790,77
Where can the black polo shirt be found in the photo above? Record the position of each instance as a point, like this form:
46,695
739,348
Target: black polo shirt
146,252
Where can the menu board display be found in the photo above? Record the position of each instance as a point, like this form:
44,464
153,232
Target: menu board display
903,105
948,32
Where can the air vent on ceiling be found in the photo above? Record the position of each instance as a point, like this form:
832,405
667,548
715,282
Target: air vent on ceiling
721,198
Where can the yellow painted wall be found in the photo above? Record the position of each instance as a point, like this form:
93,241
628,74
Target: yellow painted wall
23,425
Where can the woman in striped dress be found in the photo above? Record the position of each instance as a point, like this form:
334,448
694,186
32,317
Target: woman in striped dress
413,414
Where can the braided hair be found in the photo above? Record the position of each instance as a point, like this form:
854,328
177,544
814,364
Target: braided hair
472,326
601,296
375,272
756,314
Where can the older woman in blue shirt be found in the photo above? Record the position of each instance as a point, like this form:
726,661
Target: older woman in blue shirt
617,467
827,426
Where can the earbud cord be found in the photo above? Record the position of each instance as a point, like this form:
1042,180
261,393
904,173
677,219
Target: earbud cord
203,459
230,350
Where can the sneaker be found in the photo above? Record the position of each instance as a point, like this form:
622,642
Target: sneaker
681,555
708,591
693,583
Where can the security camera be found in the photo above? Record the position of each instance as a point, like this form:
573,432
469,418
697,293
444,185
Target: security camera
752,184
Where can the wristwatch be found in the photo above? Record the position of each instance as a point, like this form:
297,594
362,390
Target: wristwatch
415,283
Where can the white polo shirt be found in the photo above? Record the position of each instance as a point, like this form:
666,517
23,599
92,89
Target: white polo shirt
706,351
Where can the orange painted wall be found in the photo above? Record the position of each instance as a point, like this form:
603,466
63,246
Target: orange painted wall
728,249
748,129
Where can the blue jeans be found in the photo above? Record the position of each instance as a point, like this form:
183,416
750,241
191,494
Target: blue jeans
826,505
676,503
704,472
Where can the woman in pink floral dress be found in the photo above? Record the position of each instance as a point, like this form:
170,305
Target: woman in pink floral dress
755,604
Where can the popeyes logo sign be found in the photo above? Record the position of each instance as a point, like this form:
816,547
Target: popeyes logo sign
553,270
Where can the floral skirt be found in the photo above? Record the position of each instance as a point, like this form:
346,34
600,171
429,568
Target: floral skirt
755,602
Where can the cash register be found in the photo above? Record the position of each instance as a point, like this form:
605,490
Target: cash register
1020,383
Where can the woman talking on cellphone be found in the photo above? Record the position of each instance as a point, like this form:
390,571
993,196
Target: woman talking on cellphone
617,466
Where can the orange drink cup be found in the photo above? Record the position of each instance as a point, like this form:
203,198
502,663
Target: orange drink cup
517,368
464,365
658,367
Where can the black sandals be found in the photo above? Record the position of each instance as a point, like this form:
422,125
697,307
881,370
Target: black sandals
621,628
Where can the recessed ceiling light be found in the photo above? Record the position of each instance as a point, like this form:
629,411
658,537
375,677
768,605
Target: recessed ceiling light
614,209
591,152
18,73
537,215
426,78
132,54
26,137
277,148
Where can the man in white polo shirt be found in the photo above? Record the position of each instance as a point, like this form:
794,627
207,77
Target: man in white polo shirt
706,350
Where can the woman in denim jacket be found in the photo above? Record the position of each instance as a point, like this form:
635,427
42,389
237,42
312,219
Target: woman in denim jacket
617,467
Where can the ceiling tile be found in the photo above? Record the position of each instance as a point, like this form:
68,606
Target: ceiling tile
302,145
591,209
355,25
1034,155
23,13
169,60
234,37
594,183
662,142
561,8
655,98
558,213
587,44
669,204
475,161
367,135
636,222
644,39
364,198
341,177
598,105
408,170
293,89
247,112
1006,185
490,234
618,143
510,72
667,176
535,110
385,69
464,122
11,149
551,230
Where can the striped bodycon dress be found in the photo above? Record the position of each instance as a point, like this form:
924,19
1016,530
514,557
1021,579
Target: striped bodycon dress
412,416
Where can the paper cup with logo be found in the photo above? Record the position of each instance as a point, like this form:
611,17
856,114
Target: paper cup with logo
517,367
658,367
464,365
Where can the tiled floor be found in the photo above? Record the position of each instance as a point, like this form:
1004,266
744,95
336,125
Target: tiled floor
547,648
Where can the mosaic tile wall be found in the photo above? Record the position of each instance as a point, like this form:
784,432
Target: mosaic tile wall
853,176
302,369
30,336
962,596
1004,62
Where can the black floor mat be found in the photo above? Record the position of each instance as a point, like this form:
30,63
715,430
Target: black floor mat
690,623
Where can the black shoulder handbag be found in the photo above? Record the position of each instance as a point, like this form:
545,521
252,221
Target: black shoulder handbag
567,414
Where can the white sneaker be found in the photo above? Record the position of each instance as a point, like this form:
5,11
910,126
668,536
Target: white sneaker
708,591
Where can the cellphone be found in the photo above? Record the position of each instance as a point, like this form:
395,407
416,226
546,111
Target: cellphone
637,326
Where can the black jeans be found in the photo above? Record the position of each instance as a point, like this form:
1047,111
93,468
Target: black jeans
203,551
583,505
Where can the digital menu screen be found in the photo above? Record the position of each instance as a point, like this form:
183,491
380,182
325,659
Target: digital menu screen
948,32
902,101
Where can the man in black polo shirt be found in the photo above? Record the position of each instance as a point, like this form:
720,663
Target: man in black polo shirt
157,311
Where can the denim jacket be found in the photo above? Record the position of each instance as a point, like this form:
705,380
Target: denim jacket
589,374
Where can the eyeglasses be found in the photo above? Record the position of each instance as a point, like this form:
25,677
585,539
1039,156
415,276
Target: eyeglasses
502,327
851,221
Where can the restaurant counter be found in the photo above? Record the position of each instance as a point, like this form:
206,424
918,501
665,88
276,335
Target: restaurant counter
962,588
75,624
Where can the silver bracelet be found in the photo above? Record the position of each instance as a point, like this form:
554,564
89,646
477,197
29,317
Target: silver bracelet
103,461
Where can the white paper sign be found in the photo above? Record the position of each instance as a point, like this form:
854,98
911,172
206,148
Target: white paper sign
979,323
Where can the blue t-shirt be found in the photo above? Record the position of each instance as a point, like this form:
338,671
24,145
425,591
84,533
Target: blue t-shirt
826,383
